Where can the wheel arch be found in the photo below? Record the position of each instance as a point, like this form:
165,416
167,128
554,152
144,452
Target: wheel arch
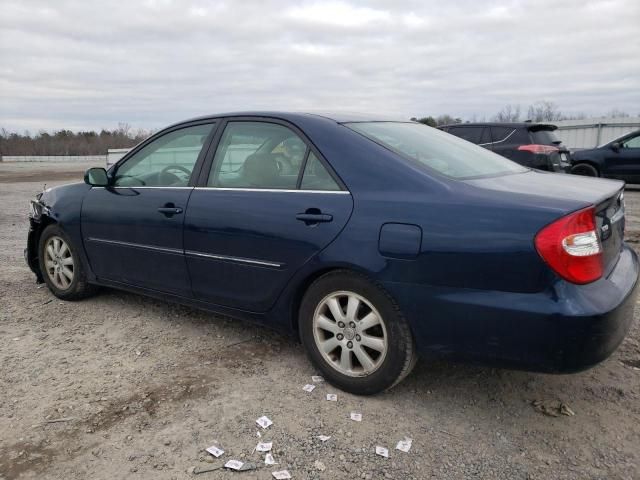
304,284
589,162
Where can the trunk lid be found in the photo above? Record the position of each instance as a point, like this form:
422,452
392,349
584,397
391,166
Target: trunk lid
569,193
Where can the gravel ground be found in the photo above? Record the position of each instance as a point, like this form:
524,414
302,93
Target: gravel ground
122,386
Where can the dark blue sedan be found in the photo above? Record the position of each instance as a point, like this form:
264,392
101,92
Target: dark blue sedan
374,240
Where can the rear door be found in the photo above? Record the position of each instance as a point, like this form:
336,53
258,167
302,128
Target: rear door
132,230
267,204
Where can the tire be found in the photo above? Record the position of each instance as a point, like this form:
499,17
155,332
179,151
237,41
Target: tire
585,169
57,252
376,357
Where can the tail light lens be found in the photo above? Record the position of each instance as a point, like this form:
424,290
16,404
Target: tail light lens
542,149
571,247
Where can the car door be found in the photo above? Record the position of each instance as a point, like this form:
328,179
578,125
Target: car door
133,229
268,203
623,162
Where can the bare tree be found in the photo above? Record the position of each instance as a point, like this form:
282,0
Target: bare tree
544,111
615,113
509,113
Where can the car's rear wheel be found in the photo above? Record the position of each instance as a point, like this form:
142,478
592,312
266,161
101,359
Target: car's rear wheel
585,169
61,266
355,334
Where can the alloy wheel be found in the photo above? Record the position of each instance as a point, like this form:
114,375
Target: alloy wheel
350,334
58,262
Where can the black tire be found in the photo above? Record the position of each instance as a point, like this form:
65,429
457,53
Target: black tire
78,287
400,356
585,169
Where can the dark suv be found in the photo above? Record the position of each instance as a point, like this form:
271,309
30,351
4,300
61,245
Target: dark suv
530,144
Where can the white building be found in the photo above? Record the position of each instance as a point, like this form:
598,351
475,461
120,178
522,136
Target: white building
591,132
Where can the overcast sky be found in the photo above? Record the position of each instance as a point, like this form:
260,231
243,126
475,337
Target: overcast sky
92,64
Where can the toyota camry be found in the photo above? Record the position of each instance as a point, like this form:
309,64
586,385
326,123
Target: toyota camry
375,241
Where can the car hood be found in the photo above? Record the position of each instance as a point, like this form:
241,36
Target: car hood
552,186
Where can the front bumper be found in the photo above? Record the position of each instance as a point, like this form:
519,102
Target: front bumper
565,329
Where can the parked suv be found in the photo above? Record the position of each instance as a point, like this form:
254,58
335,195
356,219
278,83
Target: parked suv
620,158
530,144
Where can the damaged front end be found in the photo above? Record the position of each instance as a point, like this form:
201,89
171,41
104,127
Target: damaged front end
37,212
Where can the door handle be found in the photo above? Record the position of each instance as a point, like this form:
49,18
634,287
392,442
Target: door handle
313,216
170,209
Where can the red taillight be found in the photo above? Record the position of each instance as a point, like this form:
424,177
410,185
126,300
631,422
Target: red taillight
571,247
534,148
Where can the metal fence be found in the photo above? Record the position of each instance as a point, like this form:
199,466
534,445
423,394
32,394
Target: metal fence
591,132
54,158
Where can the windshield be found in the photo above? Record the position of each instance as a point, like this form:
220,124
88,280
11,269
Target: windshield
439,151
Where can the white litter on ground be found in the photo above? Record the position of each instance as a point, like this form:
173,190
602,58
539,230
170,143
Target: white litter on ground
281,475
324,438
332,397
215,451
383,452
264,447
234,464
269,460
356,417
317,379
308,388
264,422
404,445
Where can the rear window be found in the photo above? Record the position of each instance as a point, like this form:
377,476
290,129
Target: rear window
545,137
437,150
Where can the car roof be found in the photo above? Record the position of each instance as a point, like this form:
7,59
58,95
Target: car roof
528,125
338,117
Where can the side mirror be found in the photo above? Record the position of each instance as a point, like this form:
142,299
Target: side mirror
615,146
96,177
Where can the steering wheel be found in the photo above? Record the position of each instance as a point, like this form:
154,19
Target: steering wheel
167,171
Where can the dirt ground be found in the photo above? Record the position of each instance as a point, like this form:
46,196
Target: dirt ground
122,386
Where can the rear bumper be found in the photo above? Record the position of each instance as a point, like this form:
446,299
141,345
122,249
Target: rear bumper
565,329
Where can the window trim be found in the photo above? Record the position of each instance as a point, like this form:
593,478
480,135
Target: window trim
207,165
214,122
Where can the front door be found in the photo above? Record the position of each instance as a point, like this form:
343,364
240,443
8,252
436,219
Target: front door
269,204
132,230
624,162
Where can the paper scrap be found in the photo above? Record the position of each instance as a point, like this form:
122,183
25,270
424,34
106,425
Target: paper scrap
281,475
264,447
308,388
356,417
264,422
324,438
317,379
332,397
215,451
269,460
404,445
383,452
234,464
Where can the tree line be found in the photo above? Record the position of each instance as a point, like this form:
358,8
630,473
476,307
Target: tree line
66,142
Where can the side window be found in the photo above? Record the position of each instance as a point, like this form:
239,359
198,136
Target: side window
257,155
316,177
166,162
470,134
500,134
485,138
632,142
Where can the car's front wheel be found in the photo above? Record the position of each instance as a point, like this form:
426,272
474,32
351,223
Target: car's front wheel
61,266
355,334
585,169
